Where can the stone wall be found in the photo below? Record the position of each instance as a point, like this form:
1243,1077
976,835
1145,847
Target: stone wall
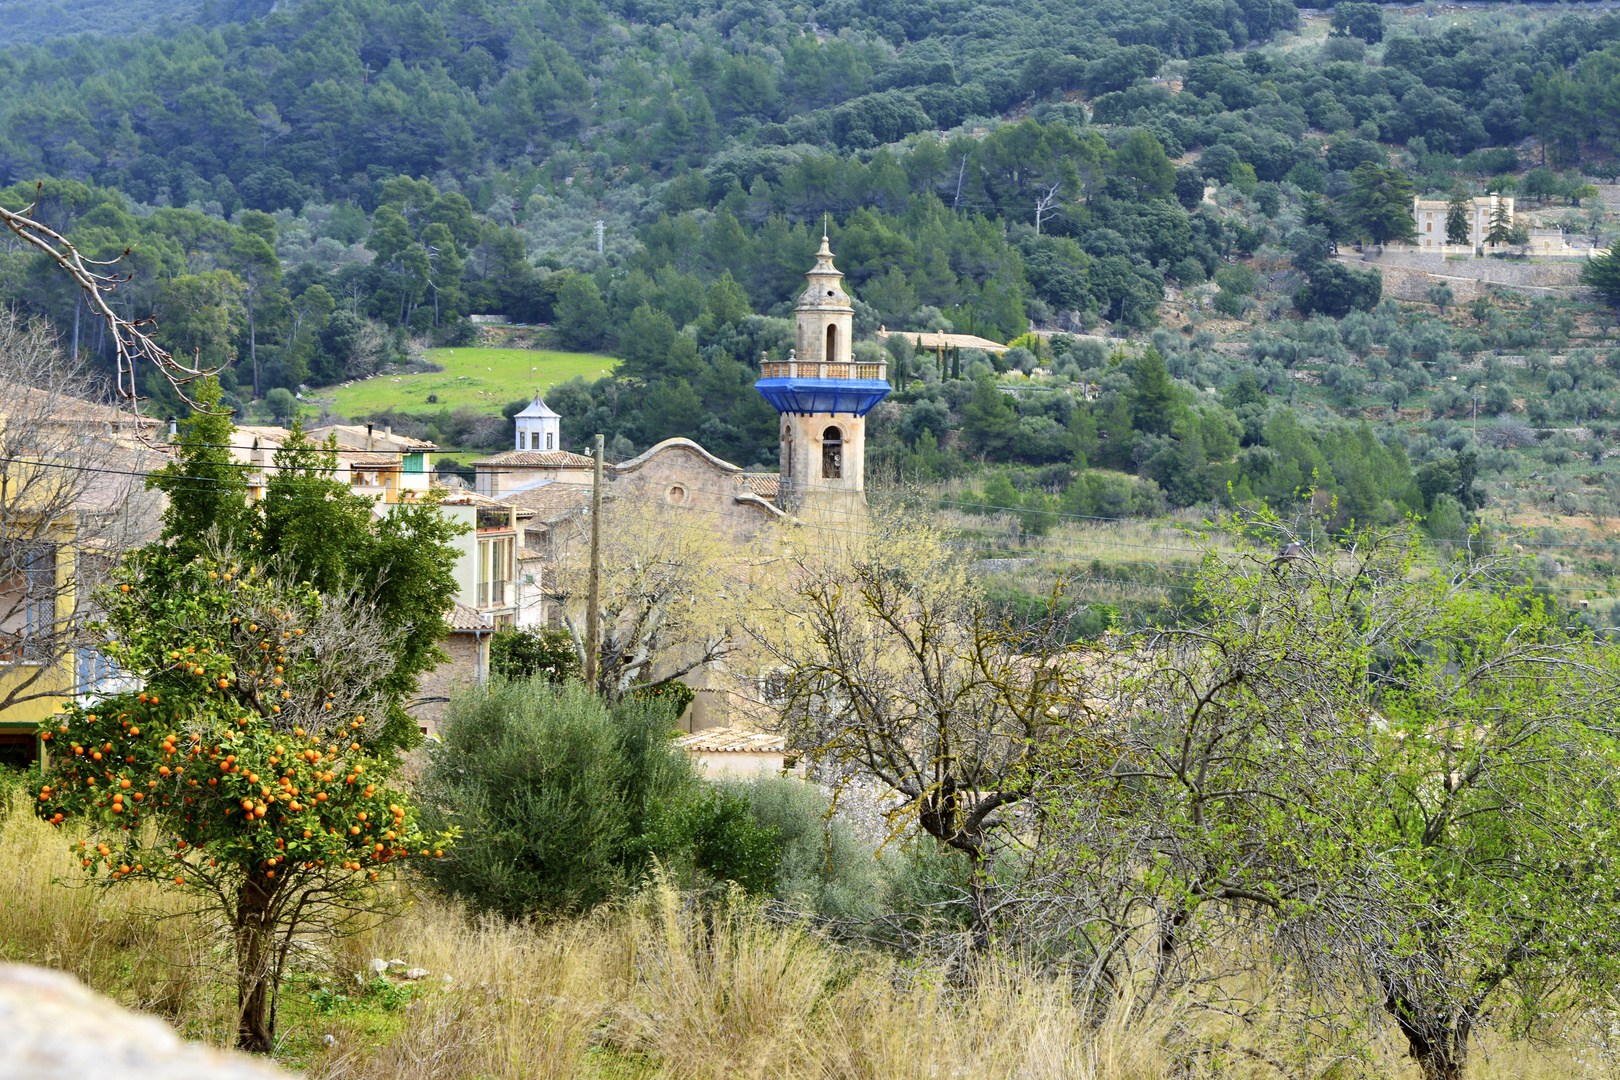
678,473
467,658
1408,275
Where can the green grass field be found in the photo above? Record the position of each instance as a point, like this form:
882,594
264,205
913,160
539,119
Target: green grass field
485,379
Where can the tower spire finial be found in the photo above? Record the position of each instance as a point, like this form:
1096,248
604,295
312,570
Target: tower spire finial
824,224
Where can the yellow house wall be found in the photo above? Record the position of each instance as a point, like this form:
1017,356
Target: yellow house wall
26,715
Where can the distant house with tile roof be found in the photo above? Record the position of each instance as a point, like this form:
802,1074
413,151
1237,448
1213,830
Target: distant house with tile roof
468,647
926,342
513,469
725,753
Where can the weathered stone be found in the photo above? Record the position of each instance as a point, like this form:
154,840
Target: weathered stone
54,1028
417,973
377,967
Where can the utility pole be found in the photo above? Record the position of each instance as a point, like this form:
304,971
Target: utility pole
599,227
593,594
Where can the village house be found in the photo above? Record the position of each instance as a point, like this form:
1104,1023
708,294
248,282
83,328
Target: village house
467,645
72,498
536,458
732,754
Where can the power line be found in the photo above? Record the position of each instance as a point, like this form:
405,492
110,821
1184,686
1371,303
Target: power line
961,547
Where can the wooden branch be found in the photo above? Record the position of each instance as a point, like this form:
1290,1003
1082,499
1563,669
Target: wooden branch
132,340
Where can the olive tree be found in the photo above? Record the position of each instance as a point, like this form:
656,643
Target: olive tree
1397,776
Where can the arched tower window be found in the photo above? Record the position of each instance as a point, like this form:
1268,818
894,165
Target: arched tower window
832,345
832,453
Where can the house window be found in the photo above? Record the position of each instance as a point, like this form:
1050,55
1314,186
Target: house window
534,440
494,571
39,572
1428,226
548,440
832,345
773,688
832,454
676,494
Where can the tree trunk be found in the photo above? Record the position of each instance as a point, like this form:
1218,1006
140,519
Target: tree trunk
1438,1060
256,1025
1437,1041
979,894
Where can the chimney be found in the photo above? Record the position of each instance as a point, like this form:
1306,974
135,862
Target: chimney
174,429
388,431
368,438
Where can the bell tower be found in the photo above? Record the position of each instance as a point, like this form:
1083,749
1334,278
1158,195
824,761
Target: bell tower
823,397
538,427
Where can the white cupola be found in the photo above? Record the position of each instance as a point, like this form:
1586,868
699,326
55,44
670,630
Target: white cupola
537,427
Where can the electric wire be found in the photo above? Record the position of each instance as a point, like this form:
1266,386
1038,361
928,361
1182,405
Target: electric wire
182,481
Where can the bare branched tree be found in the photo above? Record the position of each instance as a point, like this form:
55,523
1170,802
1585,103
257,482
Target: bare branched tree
97,280
670,591
896,671
72,499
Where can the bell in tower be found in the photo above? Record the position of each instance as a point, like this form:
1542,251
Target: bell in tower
823,397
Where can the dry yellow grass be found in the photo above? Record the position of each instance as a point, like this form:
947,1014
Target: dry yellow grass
658,988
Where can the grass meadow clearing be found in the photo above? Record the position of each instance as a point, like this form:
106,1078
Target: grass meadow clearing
482,378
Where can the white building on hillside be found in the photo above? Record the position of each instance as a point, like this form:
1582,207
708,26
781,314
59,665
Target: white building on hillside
1430,215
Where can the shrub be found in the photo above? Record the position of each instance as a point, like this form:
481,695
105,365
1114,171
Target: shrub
716,832
522,654
557,795
821,866
1236,279
1229,304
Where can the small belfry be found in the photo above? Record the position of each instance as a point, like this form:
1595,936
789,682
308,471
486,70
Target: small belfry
537,427
823,397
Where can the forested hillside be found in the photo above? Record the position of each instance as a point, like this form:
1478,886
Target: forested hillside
313,193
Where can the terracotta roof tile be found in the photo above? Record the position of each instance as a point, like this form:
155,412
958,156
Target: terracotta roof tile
465,497
555,459
357,432
363,458
550,500
461,617
765,485
732,741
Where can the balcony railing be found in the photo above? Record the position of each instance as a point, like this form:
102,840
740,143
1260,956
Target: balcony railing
796,369
492,594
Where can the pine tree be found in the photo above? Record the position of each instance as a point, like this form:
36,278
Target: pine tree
1501,228
1457,218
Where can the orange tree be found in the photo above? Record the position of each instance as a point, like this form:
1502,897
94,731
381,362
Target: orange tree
238,771
270,645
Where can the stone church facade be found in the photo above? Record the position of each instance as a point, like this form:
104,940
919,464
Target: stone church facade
822,396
